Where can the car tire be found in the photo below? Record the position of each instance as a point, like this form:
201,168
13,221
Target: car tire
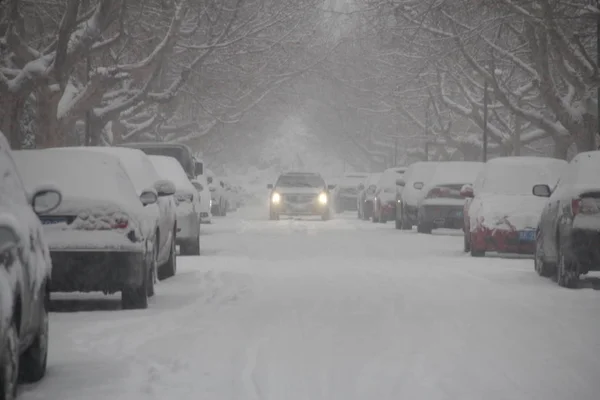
475,252
33,362
423,227
136,298
169,268
9,364
566,275
191,247
542,268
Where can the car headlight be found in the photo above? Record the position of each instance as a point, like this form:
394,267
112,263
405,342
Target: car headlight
323,198
276,198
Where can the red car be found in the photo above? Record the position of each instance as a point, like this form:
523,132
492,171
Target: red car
501,213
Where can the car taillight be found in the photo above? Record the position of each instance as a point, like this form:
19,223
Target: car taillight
120,223
575,206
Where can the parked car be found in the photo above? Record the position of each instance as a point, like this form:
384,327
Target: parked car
366,195
144,177
229,194
407,200
180,152
346,191
219,202
384,201
503,214
201,186
101,236
299,193
568,232
442,206
187,201
25,275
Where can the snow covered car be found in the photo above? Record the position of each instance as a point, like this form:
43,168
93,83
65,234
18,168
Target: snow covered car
201,186
145,178
412,182
25,275
366,195
568,232
101,236
187,201
503,214
346,191
384,202
219,202
298,194
179,151
442,206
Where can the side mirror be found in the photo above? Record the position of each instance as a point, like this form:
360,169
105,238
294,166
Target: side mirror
148,197
542,191
400,182
164,188
330,187
45,200
418,185
270,186
199,167
467,191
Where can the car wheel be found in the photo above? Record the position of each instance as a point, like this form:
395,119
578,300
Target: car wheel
567,274
32,364
169,268
9,364
136,298
475,252
423,227
541,267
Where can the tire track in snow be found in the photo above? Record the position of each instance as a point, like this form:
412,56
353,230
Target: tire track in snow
252,390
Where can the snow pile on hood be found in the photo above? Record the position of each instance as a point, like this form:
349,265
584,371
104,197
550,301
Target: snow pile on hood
87,180
170,168
136,164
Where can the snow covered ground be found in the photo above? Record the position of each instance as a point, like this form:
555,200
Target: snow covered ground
337,310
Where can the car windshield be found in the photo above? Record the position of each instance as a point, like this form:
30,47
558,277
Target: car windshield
311,181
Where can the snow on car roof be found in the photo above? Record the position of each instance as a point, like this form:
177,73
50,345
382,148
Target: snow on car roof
457,172
388,177
585,168
518,175
136,163
170,168
419,171
81,175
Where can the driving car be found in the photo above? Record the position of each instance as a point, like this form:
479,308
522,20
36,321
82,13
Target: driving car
346,191
442,206
145,178
568,232
299,194
384,201
410,192
201,186
366,195
101,236
187,201
181,152
25,276
503,213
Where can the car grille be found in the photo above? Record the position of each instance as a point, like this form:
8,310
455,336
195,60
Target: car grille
299,198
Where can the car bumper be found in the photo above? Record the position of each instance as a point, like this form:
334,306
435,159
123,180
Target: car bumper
299,210
442,216
501,241
188,226
96,271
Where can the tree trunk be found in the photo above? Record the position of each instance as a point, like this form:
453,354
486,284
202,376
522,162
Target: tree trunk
561,149
11,109
49,132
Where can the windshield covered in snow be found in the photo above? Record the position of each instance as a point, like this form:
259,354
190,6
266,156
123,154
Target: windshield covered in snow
300,180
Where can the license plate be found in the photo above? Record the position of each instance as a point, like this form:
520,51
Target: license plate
53,220
527,236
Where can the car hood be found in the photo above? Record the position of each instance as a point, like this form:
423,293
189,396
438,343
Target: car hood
515,212
298,190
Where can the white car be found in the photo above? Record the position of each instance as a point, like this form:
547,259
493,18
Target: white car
188,204
25,275
442,206
101,237
414,179
219,202
201,186
145,178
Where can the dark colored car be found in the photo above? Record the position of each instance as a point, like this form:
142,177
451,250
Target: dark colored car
299,194
25,277
568,234
366,197
181,152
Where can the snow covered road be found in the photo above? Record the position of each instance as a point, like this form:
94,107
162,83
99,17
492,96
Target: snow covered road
337,310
